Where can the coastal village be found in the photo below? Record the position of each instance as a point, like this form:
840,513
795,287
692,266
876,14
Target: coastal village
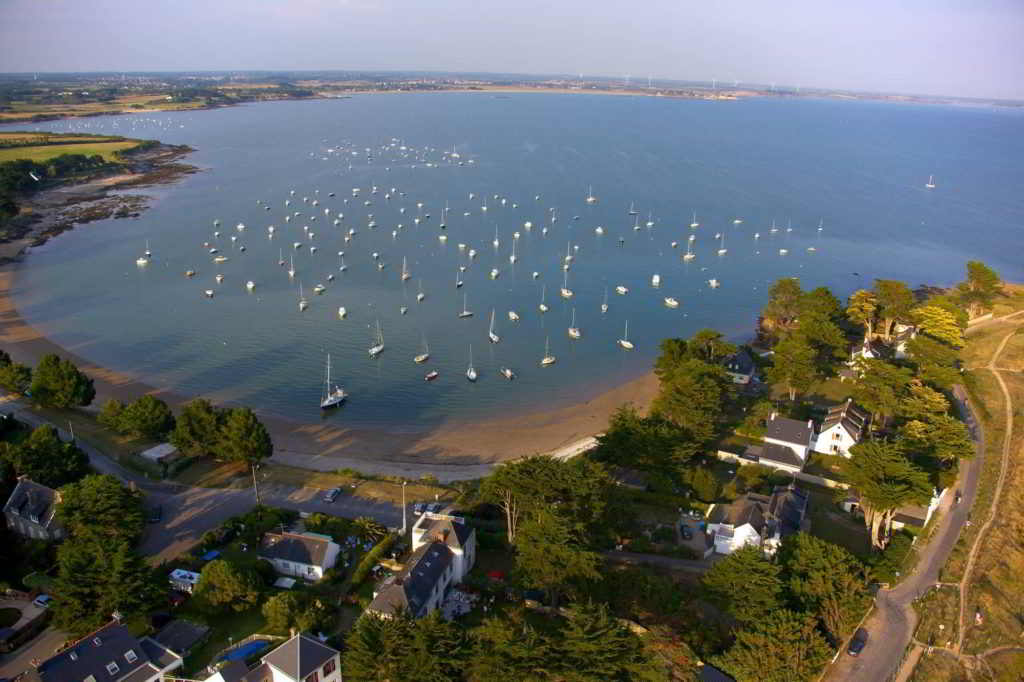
833,447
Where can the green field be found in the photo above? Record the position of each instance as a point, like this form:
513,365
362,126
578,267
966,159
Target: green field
43,152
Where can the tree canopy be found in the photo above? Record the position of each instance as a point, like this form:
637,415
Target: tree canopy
58,383
404,649
783,646
102,506
746,584
895,300
794,365
550,555
651,444
981,288
197,429
880,386
46,459
223,586
243,438
14,377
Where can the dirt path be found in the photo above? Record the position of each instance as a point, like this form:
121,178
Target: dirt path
1004,467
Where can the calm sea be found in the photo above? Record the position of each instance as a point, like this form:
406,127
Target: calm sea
856,168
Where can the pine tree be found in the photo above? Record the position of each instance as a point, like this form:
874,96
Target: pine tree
197,428
101,505
746,584
243,438
58,383
794,365
781,647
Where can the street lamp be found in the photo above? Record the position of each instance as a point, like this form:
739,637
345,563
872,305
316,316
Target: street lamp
404,510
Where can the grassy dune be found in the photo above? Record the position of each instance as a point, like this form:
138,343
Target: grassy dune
41,153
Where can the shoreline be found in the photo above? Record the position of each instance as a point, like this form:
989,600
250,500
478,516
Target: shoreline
453,450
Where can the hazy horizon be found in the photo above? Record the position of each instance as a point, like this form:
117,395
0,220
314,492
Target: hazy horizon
940,47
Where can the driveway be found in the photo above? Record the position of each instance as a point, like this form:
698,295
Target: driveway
892,623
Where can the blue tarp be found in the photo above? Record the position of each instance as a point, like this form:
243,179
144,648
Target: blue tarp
211,555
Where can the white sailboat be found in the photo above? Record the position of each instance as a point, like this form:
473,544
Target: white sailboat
721,246
574,331
507,373
470,371
689,255
655,280
693,221
332,397
405,270
604,305
280,257
425,355
568,252
490,331
621,290
466,312
291,266
931,182
303,304
512,258
543,292
632,209
513,316
378,345
420,295
147,252
496,242
591,199
671,302
714,283
458,279
548,358
624,341
566,292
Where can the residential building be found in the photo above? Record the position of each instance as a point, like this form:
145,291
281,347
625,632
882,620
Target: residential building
758,520
868,349
740,367
843,428
913,515
903,334
302,555
183,581
789,433
110,654
300,659
771,455
444,550
181,636
30,511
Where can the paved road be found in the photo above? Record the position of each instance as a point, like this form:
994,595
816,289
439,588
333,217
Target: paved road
892,623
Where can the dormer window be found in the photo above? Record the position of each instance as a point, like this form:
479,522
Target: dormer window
112,668
73,656
96,641
130,656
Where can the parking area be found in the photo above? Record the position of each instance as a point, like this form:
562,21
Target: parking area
694,536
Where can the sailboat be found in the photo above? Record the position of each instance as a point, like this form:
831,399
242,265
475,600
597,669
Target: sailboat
513,316
931,182
341,258
470,372
671,302
147,251
302,299
496,242
636,224
405,270
548,358
721,249
574,331
568,252
490,331
425,355
458,280
566,291
624,341
632,209
466,312
689,255
650,219
378,345
512,258
332,396
291,266
604,305
543,292
693,221
444,213
591,199
655,280
507,373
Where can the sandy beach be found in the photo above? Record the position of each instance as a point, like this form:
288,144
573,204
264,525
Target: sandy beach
452,450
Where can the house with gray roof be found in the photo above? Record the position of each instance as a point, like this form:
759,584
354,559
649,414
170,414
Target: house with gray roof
444,550
302,555
30,511
758,520
299,659
110,654
740,367
844,426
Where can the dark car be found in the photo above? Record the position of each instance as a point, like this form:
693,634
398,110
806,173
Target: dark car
332,494
156,514
858,642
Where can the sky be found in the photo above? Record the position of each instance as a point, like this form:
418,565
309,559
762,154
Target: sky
969,48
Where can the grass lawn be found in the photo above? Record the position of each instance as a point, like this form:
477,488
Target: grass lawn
938,667
43,152
939,613
826,466
207,473
9,616
224,629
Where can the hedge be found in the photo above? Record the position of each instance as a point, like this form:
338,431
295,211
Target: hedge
370,560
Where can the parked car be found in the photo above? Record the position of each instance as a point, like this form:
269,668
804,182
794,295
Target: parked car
434,507
155,514
42,601
418,508
858,642
331,495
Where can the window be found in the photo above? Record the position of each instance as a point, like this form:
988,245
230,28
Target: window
130,656
96,641
112,668
329,667
313,677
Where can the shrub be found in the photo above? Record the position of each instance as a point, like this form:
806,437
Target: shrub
370,560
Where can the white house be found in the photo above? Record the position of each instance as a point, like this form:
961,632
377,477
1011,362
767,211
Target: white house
110,653
843,428
869,349
182,580
903,334
444,550
302,555
758,520
790,433
300,659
